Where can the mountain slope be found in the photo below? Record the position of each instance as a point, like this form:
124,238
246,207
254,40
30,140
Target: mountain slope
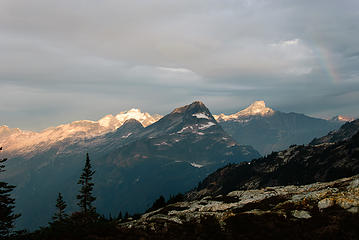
296,165
268,130
343,133
134,165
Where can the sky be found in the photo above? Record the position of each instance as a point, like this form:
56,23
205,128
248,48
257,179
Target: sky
68,60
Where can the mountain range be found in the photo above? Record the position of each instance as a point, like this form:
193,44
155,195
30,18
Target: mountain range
134,164
17,141
261,127
138,156
304,192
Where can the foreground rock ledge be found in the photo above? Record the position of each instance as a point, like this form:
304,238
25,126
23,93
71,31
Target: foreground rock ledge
316,211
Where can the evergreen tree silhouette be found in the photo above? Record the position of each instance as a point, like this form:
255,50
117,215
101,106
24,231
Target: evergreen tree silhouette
159,203
119,217
61,205
85,196
7,216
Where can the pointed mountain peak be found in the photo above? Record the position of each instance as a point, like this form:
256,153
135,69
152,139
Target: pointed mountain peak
192,118
132,122
195,106
130,126
258,104
193,113
257,108
198,107
198,103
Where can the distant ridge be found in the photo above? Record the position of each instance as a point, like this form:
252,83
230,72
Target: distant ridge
270,130
14,139
341,118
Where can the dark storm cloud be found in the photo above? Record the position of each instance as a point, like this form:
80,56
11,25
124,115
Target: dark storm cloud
67,60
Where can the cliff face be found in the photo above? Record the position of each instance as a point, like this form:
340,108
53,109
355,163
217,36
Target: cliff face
315,211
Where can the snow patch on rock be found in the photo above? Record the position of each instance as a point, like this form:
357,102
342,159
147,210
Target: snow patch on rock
207,125
196,165
201,115
127,135
161,144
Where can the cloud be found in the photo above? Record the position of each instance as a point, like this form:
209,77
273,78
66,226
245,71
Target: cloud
167,53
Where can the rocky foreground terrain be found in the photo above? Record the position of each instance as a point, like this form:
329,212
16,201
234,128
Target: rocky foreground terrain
315,211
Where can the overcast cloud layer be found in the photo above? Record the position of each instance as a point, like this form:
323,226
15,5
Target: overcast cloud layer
81,59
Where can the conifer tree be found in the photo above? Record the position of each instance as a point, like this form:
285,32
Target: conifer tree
159,203
85,196
7,216
61,205
119,217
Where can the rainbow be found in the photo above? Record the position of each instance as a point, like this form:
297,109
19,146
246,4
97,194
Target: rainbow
326,62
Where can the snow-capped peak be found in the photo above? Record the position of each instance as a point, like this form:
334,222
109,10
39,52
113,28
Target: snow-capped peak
114,122
258,108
